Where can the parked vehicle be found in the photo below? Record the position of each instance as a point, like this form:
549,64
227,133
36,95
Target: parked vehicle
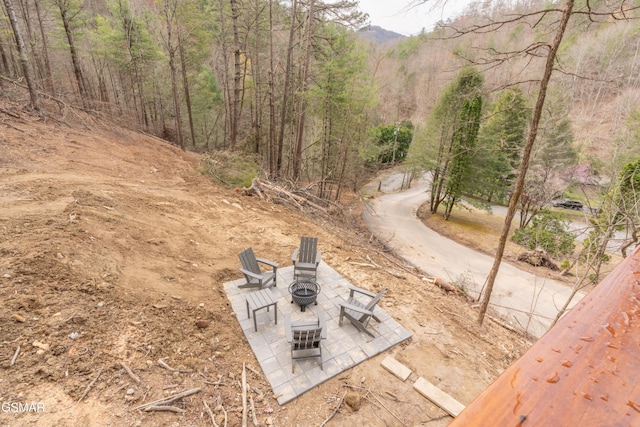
568,204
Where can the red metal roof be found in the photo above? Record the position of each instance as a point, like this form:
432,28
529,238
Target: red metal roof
585,371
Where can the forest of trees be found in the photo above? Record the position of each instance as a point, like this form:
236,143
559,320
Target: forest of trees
284,80
291,84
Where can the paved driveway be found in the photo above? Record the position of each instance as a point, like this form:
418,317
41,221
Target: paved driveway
526,301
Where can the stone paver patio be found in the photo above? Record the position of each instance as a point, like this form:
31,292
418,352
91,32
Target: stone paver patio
344,347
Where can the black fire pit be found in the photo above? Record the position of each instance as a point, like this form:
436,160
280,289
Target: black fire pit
304,292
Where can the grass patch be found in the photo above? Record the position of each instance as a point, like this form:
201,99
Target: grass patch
475,228
232,169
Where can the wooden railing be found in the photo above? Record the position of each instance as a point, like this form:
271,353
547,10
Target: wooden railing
585,371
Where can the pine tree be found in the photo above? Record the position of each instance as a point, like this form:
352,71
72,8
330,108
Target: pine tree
445,128
500,145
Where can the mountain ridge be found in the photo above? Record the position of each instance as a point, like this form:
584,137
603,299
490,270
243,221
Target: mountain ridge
378,34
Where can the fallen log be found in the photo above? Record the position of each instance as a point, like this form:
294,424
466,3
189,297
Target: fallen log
164,408
165,402
292,196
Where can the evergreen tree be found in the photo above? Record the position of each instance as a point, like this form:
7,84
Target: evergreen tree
339,99
449,121
500,144
627,202
390,143
463,153
123,42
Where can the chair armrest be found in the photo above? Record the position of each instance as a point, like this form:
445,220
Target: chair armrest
318,257
355,308
251,274
353,289
322,322
288,333
266,261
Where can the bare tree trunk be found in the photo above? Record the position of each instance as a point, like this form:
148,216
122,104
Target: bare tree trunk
30,39
297,155
287,84
237,75
45,49
272,148
63,6
526,155
172,68
24,60
187,94
225,77
5,60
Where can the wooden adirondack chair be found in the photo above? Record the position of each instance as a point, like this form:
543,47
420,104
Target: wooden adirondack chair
306,258
256,278
305,338
358,313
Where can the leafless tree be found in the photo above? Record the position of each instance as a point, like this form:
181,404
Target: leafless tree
24,60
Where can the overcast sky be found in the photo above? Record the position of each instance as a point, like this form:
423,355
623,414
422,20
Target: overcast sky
390,14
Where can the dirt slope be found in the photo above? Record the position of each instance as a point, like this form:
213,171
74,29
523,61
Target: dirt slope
113,245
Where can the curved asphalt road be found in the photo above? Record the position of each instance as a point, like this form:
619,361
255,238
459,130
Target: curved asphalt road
392,218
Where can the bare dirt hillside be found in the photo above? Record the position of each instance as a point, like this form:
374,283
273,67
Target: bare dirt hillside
114,248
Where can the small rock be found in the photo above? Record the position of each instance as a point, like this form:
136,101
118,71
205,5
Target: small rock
6,276
130,391
73,335
202,324
353,401
101,303
41,345
78,319
269,421
201,305
19,318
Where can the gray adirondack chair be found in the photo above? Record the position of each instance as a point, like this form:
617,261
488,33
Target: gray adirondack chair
359,313
305,338
306,258
256,278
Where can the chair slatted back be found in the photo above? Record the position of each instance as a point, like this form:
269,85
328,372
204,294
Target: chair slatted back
306,338
308,250
375,300
248,261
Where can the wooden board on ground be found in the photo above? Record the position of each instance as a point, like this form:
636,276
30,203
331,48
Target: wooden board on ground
396,368
438,397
